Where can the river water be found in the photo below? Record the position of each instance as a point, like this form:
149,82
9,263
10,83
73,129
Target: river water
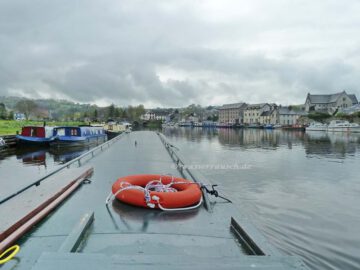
302,190
23,166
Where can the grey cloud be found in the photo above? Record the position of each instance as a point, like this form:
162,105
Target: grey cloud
92,50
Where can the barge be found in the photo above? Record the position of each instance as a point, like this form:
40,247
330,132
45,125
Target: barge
84,233
35,135
78,136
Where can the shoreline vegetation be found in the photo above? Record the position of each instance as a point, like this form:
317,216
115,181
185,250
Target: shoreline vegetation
10,127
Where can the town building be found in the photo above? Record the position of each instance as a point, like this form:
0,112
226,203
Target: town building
280,115
286,116
329,103
268,117
350,110
232,113
253,112
149,115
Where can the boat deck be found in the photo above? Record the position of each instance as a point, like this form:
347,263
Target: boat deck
127,237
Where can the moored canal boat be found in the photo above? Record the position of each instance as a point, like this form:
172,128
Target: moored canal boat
36,135
314,126
78,136
114,129
343,126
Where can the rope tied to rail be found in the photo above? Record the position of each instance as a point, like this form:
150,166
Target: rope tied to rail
214,192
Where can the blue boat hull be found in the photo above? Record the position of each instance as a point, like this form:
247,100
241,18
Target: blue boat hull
34,140
76,141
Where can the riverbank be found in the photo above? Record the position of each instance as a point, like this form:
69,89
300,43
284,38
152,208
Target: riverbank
10,127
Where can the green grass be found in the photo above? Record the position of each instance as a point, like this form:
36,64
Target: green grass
9,127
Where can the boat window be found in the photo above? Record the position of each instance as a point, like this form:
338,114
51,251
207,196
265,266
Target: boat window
60,132
33,132
74,132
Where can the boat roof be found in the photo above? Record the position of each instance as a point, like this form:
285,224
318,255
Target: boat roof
81,127
31,126
123,236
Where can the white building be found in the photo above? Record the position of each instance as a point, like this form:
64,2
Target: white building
353,109
232,113
329,103
149,115
286,116
253,112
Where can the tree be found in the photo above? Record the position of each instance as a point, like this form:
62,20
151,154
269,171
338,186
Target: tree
111,111
10,115
26,107
139,110
3,114
134,113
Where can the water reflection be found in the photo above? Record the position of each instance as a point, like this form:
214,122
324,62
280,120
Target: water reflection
302,189
62,156
139,219
23,165
32,156
315,143
336,145
40,156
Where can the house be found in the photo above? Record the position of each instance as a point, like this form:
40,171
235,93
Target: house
350,110
266,117
149,115
19,116
329,103
287,116
232,113
253,112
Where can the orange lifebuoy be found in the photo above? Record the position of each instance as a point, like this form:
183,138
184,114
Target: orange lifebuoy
188,193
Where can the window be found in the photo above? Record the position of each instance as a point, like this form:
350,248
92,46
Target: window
60,132
33,132
73,132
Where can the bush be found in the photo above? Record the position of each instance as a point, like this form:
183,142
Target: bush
319,116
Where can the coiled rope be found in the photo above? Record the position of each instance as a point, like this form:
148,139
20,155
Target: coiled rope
9,254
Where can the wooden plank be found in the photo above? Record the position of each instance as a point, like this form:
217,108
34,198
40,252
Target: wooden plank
74,239
18,210
35,218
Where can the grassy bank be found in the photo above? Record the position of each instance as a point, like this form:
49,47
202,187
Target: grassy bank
9,127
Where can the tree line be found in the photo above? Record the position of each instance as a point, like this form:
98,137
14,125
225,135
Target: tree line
61,110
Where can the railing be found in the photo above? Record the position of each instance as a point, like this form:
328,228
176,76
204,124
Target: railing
185,172
66,165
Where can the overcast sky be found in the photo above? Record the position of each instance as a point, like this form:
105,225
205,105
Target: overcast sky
174,53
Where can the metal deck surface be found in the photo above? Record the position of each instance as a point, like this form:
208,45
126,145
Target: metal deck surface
133,238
